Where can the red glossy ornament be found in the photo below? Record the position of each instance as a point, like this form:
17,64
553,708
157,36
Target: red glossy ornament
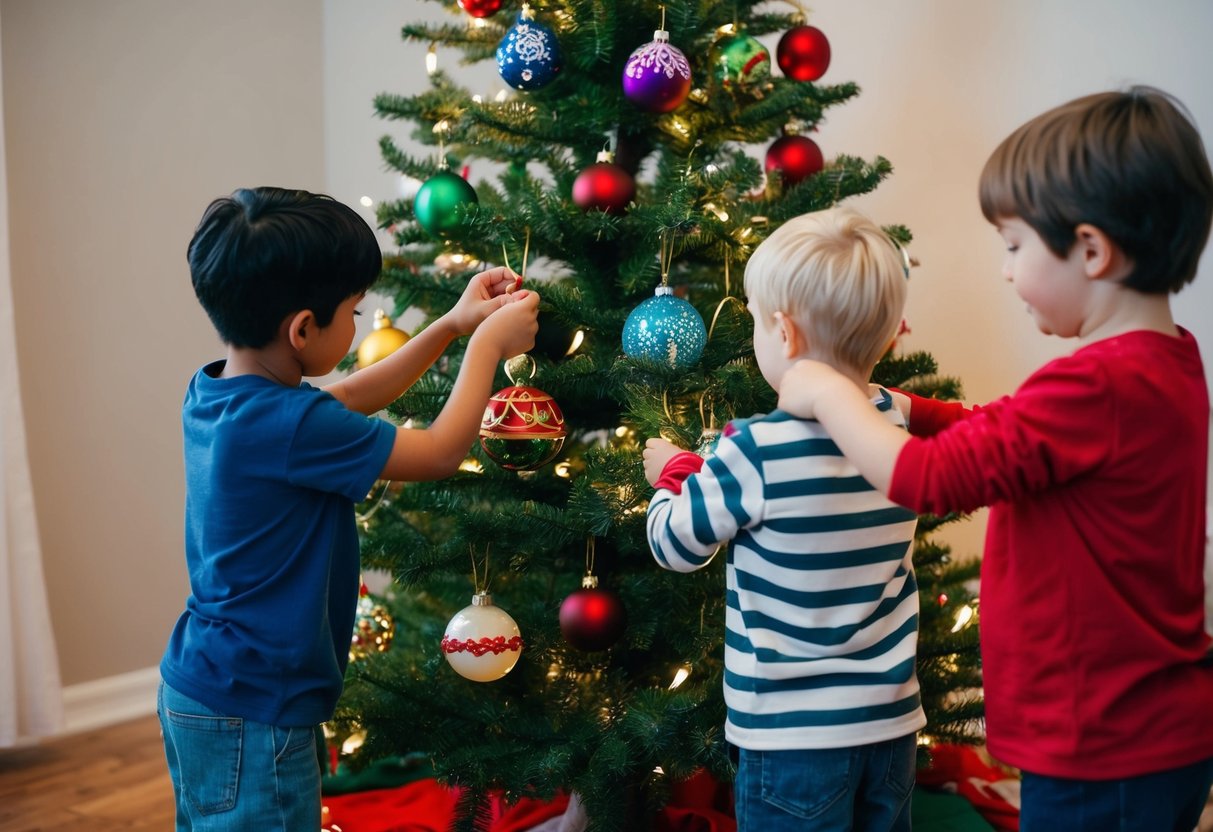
604,186
794,158
803,53
591,618
522,428
480,8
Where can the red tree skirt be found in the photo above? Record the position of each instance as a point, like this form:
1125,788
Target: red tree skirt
426,806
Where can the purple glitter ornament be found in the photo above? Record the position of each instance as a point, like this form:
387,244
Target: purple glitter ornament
657,76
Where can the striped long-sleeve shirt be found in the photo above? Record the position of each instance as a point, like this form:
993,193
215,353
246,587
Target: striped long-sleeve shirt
822,605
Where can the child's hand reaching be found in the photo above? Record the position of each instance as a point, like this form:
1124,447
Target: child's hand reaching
511,328
485,292
657,452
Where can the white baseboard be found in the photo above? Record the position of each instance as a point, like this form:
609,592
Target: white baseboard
108,701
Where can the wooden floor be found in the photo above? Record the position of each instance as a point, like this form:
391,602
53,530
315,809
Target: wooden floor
112,778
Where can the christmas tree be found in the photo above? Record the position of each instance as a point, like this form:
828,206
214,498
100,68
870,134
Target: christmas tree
630,197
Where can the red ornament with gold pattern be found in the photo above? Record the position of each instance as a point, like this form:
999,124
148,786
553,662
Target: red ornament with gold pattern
523,428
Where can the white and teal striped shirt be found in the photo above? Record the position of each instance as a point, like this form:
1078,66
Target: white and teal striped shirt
822,615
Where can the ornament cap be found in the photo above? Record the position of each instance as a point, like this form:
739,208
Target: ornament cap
482,599
382,321
604,156
662,291
661,36
526,12
589,581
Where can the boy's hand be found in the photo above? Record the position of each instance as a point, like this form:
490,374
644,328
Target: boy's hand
485,293
804,385
511,329
657,452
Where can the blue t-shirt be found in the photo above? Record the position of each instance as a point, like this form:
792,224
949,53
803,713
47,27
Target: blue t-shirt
272,474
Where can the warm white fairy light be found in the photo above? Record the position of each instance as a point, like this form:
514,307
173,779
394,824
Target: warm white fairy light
963,616
563,469
471,466
680,676
477,99
442,126
578,340
500,96
353,742
367,202
431,60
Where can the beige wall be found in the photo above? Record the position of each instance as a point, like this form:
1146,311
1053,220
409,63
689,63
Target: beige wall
123,119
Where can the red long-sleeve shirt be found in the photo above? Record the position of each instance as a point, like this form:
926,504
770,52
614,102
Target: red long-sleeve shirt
1092,608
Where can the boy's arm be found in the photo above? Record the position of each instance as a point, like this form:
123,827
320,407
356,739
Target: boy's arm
373,388
436,451
813,390
686,528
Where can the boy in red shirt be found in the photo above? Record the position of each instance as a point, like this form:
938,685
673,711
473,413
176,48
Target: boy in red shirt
1097,681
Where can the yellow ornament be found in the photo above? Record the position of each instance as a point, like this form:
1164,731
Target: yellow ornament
382,341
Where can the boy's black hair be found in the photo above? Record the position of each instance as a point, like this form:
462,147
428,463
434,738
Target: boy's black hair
1130,163
262,254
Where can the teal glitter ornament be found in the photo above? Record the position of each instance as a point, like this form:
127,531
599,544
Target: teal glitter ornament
436,205
666,329
740,60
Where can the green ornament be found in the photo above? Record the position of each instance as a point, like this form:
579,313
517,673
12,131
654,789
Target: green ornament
436,205
740,59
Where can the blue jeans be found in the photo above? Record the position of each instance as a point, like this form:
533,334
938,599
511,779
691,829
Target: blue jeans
864,787
232,775
1166,801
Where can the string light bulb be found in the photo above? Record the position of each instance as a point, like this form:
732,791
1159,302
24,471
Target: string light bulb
431,60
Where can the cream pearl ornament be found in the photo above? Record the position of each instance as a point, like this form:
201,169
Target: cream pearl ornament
482,642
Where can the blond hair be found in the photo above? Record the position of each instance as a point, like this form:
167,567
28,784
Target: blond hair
839,277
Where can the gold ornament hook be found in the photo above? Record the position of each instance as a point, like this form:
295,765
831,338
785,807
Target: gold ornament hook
518,365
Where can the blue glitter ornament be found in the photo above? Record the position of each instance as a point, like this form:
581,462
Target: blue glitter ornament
665,328
528,57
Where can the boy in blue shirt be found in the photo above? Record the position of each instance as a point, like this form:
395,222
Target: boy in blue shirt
821,623
273,468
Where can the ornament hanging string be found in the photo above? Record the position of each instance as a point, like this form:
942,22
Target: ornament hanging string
440,129
526,252
478,584
709,421
666,257
723,301
589,555
364,517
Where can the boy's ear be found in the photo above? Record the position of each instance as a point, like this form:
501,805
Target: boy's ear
299,326
1101,257
792,336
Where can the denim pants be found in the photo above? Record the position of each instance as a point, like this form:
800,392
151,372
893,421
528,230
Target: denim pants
1166,801
232,775
864,788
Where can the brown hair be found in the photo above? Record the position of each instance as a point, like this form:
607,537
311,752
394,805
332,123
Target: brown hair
1131,163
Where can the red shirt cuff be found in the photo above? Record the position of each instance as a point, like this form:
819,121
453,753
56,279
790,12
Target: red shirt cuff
677,470
929,416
